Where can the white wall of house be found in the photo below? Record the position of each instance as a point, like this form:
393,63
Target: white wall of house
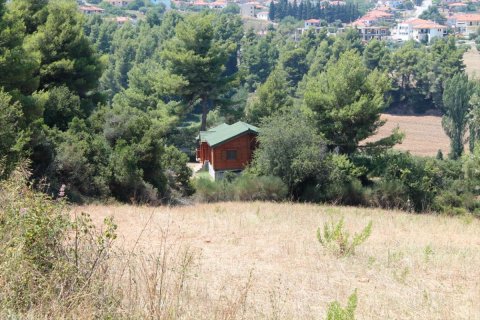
262,16
467,28
247,10
403,32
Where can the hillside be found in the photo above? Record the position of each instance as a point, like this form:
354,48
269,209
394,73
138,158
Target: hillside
424,135
263,261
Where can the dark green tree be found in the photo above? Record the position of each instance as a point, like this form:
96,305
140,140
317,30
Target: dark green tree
271,97
293,152
12,137
294,63
33,13
17,65
456,101
374,54
272,11
346,101
432,13
195,55
65,53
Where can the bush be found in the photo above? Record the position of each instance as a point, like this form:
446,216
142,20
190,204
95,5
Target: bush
344,185
390,194
266,188
337,312
243,188
337,239
404,181
295,153
207,190
50,263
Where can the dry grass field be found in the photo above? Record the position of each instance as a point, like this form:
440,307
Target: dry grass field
472,62
424,135
263,261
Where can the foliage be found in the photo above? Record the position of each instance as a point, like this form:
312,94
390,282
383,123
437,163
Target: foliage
271,97
17,65
456,100
304,10
65,54
334,237
243,188
343,118
432,13
12,137
284,152
48,259
198,57
337,312
258,58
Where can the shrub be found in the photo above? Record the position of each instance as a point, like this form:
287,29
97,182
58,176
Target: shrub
390,194
290,151
343,184
337,239
207,190
50,263
337,312
250,188
243,188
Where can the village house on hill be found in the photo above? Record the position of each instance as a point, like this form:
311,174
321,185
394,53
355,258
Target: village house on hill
226,148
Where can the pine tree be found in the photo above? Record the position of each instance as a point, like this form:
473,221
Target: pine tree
197,57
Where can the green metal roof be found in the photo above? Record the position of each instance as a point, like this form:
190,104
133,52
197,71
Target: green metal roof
225,132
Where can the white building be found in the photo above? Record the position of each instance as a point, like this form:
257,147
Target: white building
90,10
312,23
369,32
247,9
263,15
119,3
465,23
419,30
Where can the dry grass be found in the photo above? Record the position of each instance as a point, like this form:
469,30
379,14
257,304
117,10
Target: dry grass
424,135
262,260
471,58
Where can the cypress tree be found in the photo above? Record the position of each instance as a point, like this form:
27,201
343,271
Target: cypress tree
272,11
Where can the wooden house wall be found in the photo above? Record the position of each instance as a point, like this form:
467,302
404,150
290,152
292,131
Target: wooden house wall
205,152
244,146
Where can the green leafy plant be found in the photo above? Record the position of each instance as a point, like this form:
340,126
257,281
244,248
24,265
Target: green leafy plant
337,312
337,239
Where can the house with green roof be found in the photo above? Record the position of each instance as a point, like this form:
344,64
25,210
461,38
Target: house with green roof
227,147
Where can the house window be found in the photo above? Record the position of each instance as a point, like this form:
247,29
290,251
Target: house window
231,154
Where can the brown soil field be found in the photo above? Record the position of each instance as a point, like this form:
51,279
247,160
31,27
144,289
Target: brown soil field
472,62
262,260
424,135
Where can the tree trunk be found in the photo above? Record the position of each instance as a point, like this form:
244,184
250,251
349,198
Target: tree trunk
203,126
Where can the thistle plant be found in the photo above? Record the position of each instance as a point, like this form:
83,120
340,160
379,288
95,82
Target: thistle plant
334,237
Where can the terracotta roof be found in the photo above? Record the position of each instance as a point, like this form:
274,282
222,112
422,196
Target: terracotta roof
417,23
90,8
457,4
376,14
359,23
122,19
428,26
467,17
313,20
